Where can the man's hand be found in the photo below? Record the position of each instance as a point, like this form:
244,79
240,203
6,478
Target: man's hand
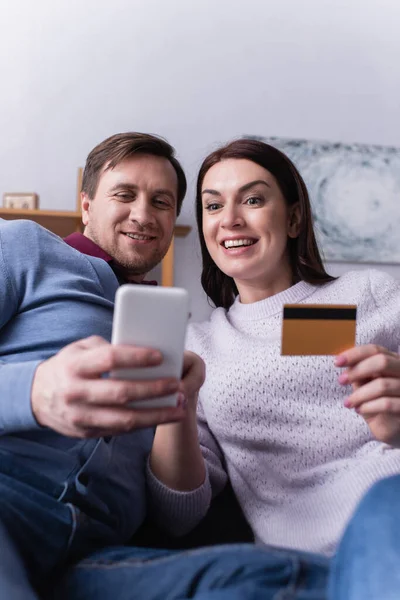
70,395
374,373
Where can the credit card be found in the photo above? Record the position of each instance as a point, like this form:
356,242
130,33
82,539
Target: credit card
315,329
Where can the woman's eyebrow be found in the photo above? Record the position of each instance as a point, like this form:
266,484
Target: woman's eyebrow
212,192
244,187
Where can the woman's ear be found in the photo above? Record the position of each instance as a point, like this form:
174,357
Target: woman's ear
294,221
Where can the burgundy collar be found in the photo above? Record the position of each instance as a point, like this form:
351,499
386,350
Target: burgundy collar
85,245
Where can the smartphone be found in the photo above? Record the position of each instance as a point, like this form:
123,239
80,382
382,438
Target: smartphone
153,317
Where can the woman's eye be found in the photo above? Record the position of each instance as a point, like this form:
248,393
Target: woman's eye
212,206
254,201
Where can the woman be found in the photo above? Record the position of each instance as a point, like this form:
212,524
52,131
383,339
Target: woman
300,446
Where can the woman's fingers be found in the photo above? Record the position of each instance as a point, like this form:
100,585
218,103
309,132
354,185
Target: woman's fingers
376,389
384,364
355,355
381,406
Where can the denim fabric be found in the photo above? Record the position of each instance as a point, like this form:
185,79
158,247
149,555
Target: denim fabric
35,534
41,535
38,533
50,549
233,572
367,563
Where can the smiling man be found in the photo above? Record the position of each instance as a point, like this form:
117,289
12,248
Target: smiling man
129,207
73,451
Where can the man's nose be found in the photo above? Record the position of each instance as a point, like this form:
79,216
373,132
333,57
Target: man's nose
142,212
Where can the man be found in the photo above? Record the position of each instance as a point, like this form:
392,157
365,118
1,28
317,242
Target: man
73,451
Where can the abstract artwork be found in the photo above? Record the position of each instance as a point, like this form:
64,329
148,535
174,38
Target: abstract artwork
355,196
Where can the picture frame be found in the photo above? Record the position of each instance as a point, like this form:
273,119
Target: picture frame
354,192
20,200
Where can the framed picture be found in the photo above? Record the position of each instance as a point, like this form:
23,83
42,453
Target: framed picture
21,200
355,196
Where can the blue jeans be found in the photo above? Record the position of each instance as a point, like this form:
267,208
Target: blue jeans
367,562
40,538
232,572
49,549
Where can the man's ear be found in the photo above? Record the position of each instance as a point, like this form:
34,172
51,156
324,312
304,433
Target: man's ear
85,206
294,221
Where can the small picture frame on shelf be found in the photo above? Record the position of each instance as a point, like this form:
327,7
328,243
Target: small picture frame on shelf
20,200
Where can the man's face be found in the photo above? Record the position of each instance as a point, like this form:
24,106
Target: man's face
133,213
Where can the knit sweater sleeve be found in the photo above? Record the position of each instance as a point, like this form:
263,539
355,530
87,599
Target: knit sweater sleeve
179,512
198,340
175,511
212,453
15,377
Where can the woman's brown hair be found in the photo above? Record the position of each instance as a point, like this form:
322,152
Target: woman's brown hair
304,256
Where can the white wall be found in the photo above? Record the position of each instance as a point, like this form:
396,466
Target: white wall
198,72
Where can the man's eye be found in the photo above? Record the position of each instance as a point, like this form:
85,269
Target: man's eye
124,197
162,203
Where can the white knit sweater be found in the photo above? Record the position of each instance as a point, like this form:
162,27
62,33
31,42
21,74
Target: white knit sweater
298,460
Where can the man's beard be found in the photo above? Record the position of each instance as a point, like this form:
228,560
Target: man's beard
138,266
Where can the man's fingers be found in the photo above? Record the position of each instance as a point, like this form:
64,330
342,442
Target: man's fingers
70,395
106,421
94,341
381,387
111,421
104,358
120,392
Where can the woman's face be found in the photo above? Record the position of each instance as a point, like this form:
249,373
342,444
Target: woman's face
246,224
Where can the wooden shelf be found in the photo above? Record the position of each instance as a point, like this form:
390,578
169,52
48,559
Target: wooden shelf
60,222
182,230
36,213
64,222
167,264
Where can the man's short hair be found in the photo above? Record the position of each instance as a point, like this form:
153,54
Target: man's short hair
118,147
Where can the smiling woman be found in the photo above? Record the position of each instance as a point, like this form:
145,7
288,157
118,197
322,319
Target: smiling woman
247,228
235,180
279,427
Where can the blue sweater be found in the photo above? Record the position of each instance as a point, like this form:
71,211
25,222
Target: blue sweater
52,295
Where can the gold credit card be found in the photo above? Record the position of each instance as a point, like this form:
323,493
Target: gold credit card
318,328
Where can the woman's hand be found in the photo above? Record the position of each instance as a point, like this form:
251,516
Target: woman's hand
176,458
193,376
374,374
